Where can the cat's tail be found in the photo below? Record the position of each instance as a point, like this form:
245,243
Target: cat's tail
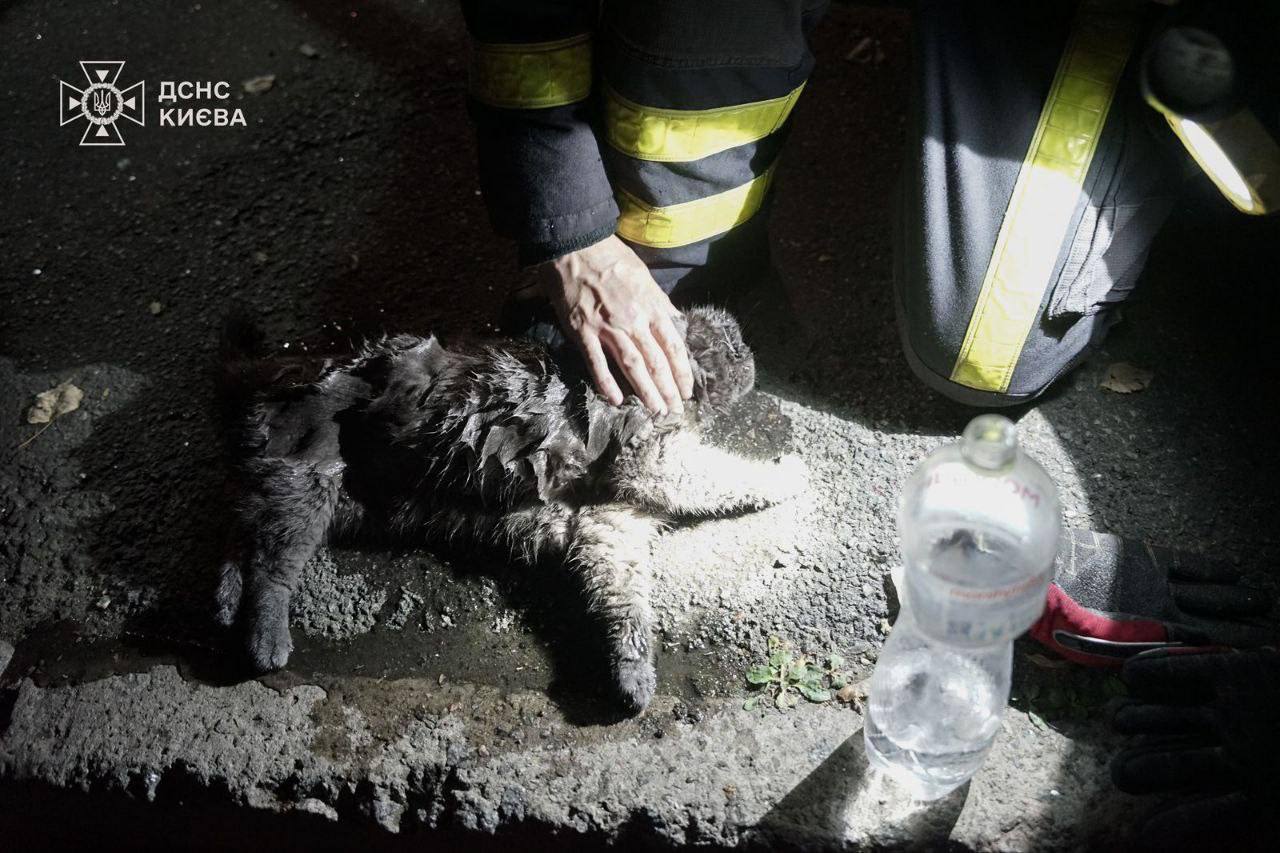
241,347
243,369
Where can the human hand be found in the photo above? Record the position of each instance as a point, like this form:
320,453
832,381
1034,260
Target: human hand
613,309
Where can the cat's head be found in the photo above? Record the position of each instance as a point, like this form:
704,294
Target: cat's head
723,367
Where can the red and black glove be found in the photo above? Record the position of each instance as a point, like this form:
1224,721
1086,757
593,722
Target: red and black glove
1112,598
1206,735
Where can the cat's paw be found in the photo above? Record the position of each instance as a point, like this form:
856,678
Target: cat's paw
269,642
636,682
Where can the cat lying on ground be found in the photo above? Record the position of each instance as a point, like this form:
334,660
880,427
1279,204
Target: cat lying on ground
492,445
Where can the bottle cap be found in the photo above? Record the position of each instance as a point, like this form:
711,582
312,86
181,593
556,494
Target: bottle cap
990,442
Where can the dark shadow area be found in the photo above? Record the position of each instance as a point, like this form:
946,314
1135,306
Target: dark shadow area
34,816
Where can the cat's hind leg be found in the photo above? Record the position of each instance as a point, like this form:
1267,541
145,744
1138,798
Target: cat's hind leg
606,548
609,552
682,476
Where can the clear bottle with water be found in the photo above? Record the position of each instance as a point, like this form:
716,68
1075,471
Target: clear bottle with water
979,523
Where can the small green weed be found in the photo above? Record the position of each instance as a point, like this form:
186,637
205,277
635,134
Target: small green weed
787,676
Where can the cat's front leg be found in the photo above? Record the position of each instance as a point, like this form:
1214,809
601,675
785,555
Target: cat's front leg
682,476
289,515
609,551
267,634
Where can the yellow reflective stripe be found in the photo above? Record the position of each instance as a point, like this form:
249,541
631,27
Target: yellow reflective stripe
649,133
1044,197
532,76
690,221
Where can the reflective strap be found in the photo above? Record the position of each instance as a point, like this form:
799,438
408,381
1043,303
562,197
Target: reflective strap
691,221
1045,195
1238,154
532,76
649,133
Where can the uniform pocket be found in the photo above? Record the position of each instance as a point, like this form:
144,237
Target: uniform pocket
1105,267
1128,204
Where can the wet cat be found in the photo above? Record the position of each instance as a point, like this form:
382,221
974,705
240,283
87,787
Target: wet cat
493,445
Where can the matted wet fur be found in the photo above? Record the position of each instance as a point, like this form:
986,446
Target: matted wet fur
492,445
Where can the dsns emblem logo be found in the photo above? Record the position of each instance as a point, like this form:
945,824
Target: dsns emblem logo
101,103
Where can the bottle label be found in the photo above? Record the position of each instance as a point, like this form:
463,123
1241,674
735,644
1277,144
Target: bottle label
950,482
975,616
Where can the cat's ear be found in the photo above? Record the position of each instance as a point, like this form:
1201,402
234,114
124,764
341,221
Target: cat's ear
696,330
689,325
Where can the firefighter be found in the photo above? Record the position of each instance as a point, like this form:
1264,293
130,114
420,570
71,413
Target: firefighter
628,149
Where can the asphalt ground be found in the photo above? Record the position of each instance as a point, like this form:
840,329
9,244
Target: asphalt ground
349,205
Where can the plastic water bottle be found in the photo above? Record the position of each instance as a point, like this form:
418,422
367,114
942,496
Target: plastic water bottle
979,523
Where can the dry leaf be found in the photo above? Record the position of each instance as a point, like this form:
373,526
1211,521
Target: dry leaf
853,694
56,401
1125,378
866,50
258,85
863,51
